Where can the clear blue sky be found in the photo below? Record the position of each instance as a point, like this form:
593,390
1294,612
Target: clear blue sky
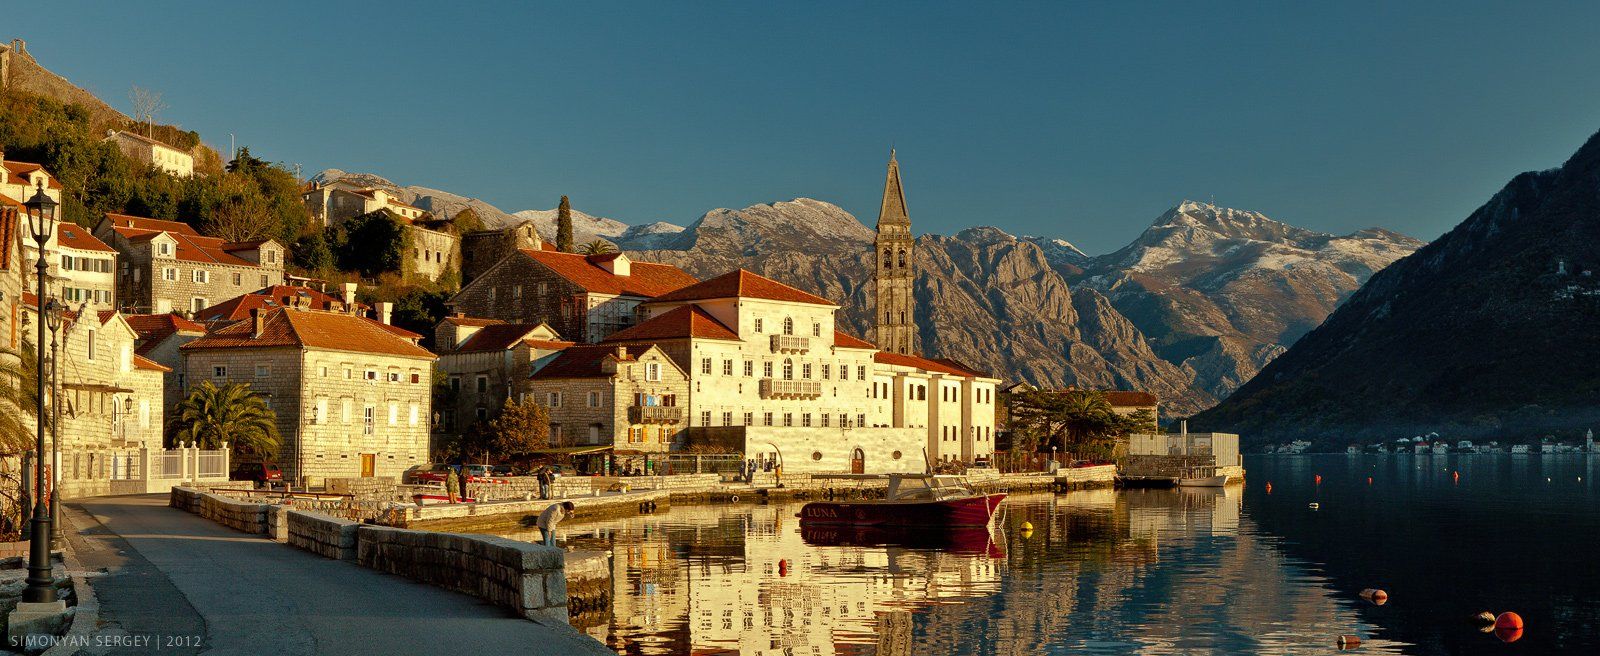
1083,121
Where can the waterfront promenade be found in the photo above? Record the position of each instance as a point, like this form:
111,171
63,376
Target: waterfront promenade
171,574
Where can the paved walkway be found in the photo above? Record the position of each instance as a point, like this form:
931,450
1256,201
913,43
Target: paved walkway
171,574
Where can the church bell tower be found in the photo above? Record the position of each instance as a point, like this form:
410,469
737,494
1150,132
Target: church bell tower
892,279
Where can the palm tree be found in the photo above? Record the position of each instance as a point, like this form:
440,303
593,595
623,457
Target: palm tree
18,395
232,413
597,247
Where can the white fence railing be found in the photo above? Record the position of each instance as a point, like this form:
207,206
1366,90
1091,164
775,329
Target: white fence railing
168,464
147,469
213,464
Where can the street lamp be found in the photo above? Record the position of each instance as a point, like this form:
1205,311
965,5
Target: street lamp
41,585
53,314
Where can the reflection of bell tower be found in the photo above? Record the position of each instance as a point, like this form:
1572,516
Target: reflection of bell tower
895,319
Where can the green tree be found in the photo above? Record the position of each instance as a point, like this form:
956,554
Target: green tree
19,377
374,243
312,253
520,428
597,247
467,221
211,415
1080,422
564,226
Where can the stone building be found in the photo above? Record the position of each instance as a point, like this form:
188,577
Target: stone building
159,339
19,180
111,397
584,297
895,273
239,307
333,203
435,250
83,269
483,249
770,375
485,362
167,266
151,152
352,397
622,396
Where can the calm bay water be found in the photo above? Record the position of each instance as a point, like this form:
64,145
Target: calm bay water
1139,571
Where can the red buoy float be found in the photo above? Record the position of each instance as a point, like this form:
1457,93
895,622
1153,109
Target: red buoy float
1269,487
1349,642
1376,596
1508,620
1369,480
1319,479
783,568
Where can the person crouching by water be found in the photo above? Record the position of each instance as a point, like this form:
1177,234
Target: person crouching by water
546,478
551,517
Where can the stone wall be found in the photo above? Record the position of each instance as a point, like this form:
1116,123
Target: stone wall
821,450
372,487
521,290
529,579
329,537
247,516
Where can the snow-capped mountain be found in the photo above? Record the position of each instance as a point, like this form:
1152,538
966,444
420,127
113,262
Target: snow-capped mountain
1226,290
441,203
587,227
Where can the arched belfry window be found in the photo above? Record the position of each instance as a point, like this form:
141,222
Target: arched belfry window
902,259
888,258
788,369
902,316
788,325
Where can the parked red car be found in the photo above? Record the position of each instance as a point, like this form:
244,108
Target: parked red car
439,473
263,474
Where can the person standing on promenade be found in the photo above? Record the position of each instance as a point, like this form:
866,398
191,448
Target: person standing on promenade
451,483
546,478
551,517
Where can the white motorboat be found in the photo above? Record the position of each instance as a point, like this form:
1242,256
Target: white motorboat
1197,477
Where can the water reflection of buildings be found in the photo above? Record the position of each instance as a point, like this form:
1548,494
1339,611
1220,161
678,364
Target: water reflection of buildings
714,580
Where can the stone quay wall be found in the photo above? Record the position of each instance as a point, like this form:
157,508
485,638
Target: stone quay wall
496,515
329,537
247,516
529,579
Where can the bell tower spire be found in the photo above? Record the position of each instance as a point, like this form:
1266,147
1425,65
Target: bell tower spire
894,272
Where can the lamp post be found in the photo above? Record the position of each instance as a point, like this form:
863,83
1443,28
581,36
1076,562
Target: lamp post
53,314
41,585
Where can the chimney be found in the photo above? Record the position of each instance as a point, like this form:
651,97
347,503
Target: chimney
622,352
385,310
349,297
257,323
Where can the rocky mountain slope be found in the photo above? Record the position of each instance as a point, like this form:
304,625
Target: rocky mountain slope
986,297
1224,291
1487,332
440,203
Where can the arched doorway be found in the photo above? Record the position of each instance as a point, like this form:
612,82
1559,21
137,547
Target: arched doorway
858,462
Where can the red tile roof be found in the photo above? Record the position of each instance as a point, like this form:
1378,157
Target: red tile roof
679,322
156,328
1130,399
72,235
141,362
20,168
547,345
743,284
192,246
925,364
849,341
645,279
309,328
268,298
584,361
473,321
500,337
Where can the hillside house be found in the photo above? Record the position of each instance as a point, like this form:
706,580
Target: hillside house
584,297
485,362
168,266
166,157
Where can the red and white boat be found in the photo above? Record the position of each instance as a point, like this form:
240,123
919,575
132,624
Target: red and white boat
912,500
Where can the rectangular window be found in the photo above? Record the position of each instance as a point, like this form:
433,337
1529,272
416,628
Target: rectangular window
727,419
516,293
844,420
705,365
749,368
749,419
766,369
483,384
169,273
262,371
705,417
91,344
805,371
816,330
861,420
263,281
455,383
861,372
652,371
370,374
416,378
369,415
394,413
219,372
766,419
759,325
594,400
805,419
727,367
394,376
553,399
788,418
344,410
827,371
413,418
238,279
824,419
200,275
321,414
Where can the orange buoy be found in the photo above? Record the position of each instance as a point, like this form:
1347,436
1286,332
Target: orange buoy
783,568
1455,476
1508,620
1269,487
1376,596
1508,635
1349,642
1319,479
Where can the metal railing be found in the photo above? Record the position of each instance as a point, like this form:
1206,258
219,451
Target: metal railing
125,467
167,465
212,464
654,414
790,389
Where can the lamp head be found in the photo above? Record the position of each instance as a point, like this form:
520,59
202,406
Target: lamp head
41,215
54,314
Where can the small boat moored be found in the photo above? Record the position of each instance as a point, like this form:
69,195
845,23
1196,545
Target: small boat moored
912,500
1202,477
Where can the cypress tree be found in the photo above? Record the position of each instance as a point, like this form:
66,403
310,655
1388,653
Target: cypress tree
564,226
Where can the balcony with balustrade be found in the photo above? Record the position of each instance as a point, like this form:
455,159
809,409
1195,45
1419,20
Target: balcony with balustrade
790,389
655,414
790,344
